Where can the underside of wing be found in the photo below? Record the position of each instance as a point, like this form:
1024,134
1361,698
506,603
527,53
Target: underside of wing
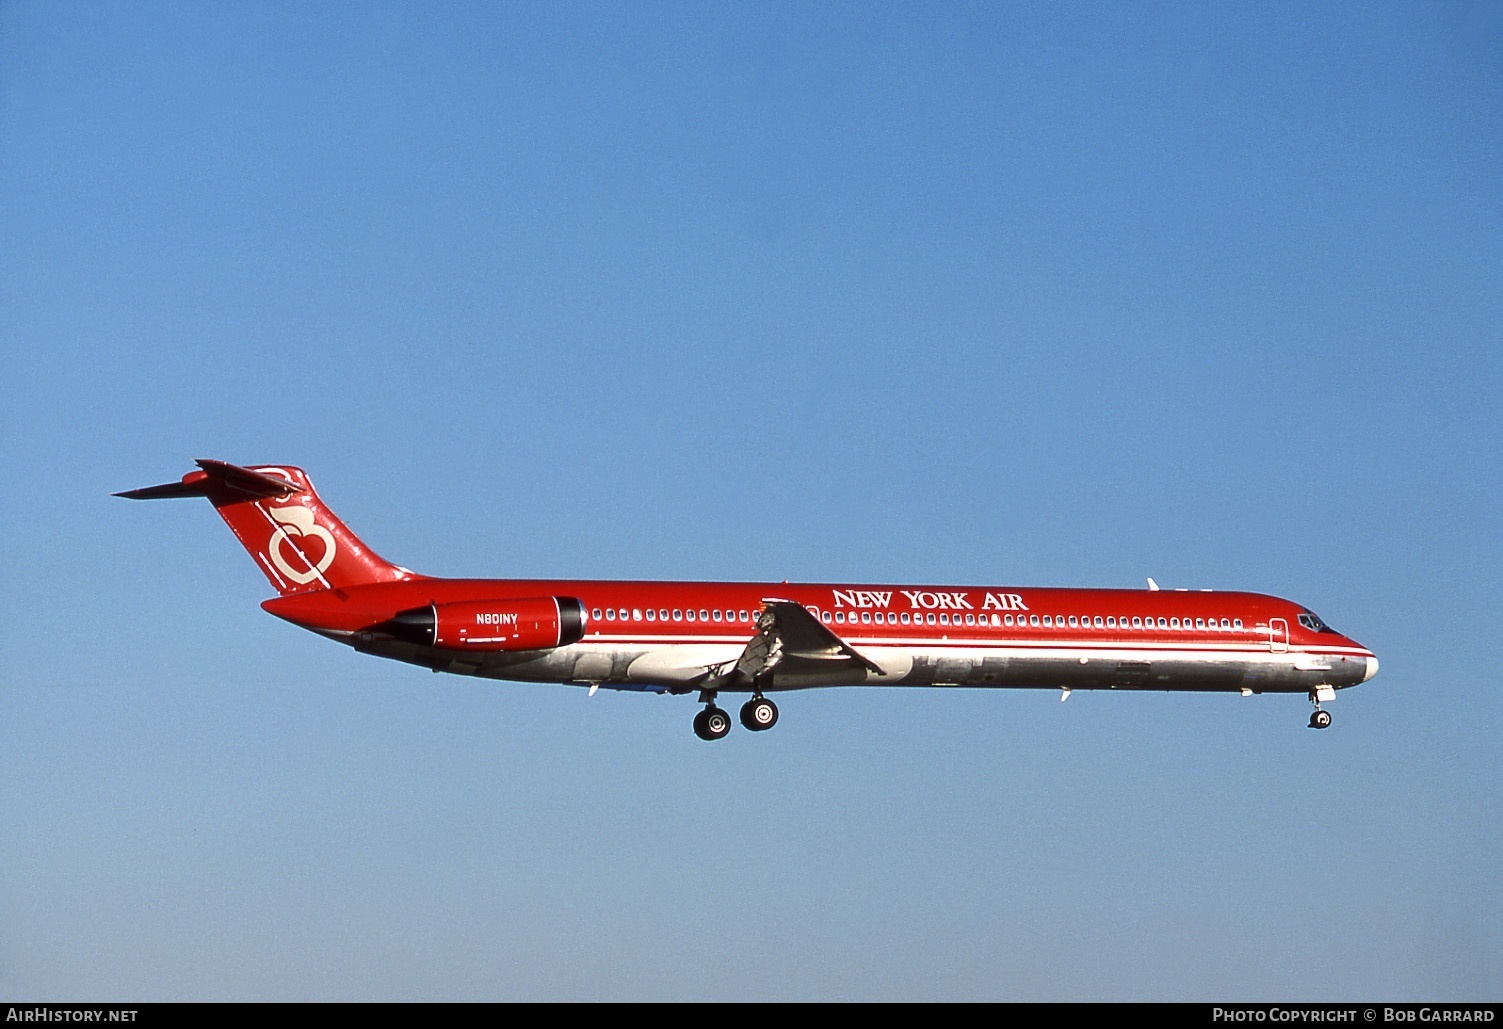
792,649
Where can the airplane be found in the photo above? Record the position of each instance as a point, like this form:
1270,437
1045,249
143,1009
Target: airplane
711,638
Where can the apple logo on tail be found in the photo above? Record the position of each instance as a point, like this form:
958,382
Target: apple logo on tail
298,521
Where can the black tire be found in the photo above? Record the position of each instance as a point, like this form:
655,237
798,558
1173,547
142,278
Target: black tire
758,714
712,723
1320,720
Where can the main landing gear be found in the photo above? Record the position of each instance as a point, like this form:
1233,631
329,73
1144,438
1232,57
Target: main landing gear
759,713
712,723
1320,719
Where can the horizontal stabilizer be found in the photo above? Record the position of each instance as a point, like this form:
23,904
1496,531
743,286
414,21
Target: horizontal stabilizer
165,490
217,474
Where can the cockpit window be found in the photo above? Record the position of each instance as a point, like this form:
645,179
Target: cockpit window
1310,620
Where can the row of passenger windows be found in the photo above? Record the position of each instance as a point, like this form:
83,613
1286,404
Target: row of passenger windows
1032,621
663,614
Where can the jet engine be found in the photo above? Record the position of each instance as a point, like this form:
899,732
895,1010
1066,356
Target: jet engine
531,623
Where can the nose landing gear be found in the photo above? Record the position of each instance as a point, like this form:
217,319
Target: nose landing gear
1321,719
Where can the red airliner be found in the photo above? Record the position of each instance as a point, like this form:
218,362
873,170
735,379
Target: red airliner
714,637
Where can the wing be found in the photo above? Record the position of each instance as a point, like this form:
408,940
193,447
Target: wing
793,643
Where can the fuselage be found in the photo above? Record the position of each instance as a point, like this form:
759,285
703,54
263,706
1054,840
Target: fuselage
663,636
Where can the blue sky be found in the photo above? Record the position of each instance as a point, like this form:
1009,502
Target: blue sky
964,293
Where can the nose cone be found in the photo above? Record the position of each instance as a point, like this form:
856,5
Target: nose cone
1372,668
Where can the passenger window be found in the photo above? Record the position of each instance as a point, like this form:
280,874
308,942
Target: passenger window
1006,619
1236,623
930,618
595,614
745,617
1137,623
716,614
1098,621
905,617
826,617
1033,620
866,618
1200,623
678,616
652,615
689,615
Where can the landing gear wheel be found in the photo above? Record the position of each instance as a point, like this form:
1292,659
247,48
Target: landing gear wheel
759,713
1320,720
711,723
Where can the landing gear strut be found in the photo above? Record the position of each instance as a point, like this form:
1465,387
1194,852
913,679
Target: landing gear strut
712,723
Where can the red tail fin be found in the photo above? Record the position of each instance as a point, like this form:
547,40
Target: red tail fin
278,517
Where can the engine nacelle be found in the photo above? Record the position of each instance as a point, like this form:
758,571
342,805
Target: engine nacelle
531,623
